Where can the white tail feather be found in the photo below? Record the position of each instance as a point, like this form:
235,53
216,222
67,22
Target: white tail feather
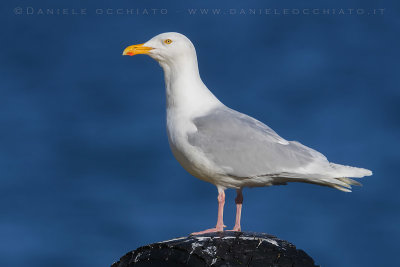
348,171
336,177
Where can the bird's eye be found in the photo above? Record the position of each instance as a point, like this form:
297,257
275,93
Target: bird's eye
168,41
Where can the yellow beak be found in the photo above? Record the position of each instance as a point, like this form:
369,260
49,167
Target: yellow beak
136,49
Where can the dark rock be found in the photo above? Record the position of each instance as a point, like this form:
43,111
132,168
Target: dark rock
219,249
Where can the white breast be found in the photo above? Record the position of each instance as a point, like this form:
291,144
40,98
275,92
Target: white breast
187,98
191,158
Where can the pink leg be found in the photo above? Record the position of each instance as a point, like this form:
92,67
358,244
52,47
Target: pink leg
238,201
220,222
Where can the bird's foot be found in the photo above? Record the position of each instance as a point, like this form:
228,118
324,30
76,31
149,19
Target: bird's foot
235,229
211,230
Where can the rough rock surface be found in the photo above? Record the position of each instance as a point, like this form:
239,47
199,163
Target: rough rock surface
219,249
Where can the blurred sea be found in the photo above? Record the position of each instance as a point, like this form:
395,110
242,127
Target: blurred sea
86,173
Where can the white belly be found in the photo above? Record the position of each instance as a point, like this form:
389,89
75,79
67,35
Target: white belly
191,158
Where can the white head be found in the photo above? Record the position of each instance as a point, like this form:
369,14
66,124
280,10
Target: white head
177,56
170,49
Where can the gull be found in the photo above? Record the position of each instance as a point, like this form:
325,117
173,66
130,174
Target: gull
224,147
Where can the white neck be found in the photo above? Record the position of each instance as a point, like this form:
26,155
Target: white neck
186,92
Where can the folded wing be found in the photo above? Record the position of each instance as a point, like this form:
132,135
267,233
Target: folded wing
244,147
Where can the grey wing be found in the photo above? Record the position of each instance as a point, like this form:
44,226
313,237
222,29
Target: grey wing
244,147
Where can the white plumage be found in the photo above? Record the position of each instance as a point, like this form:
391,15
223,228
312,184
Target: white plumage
223,146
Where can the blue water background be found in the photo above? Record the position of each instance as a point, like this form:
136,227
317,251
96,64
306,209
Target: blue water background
86,173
